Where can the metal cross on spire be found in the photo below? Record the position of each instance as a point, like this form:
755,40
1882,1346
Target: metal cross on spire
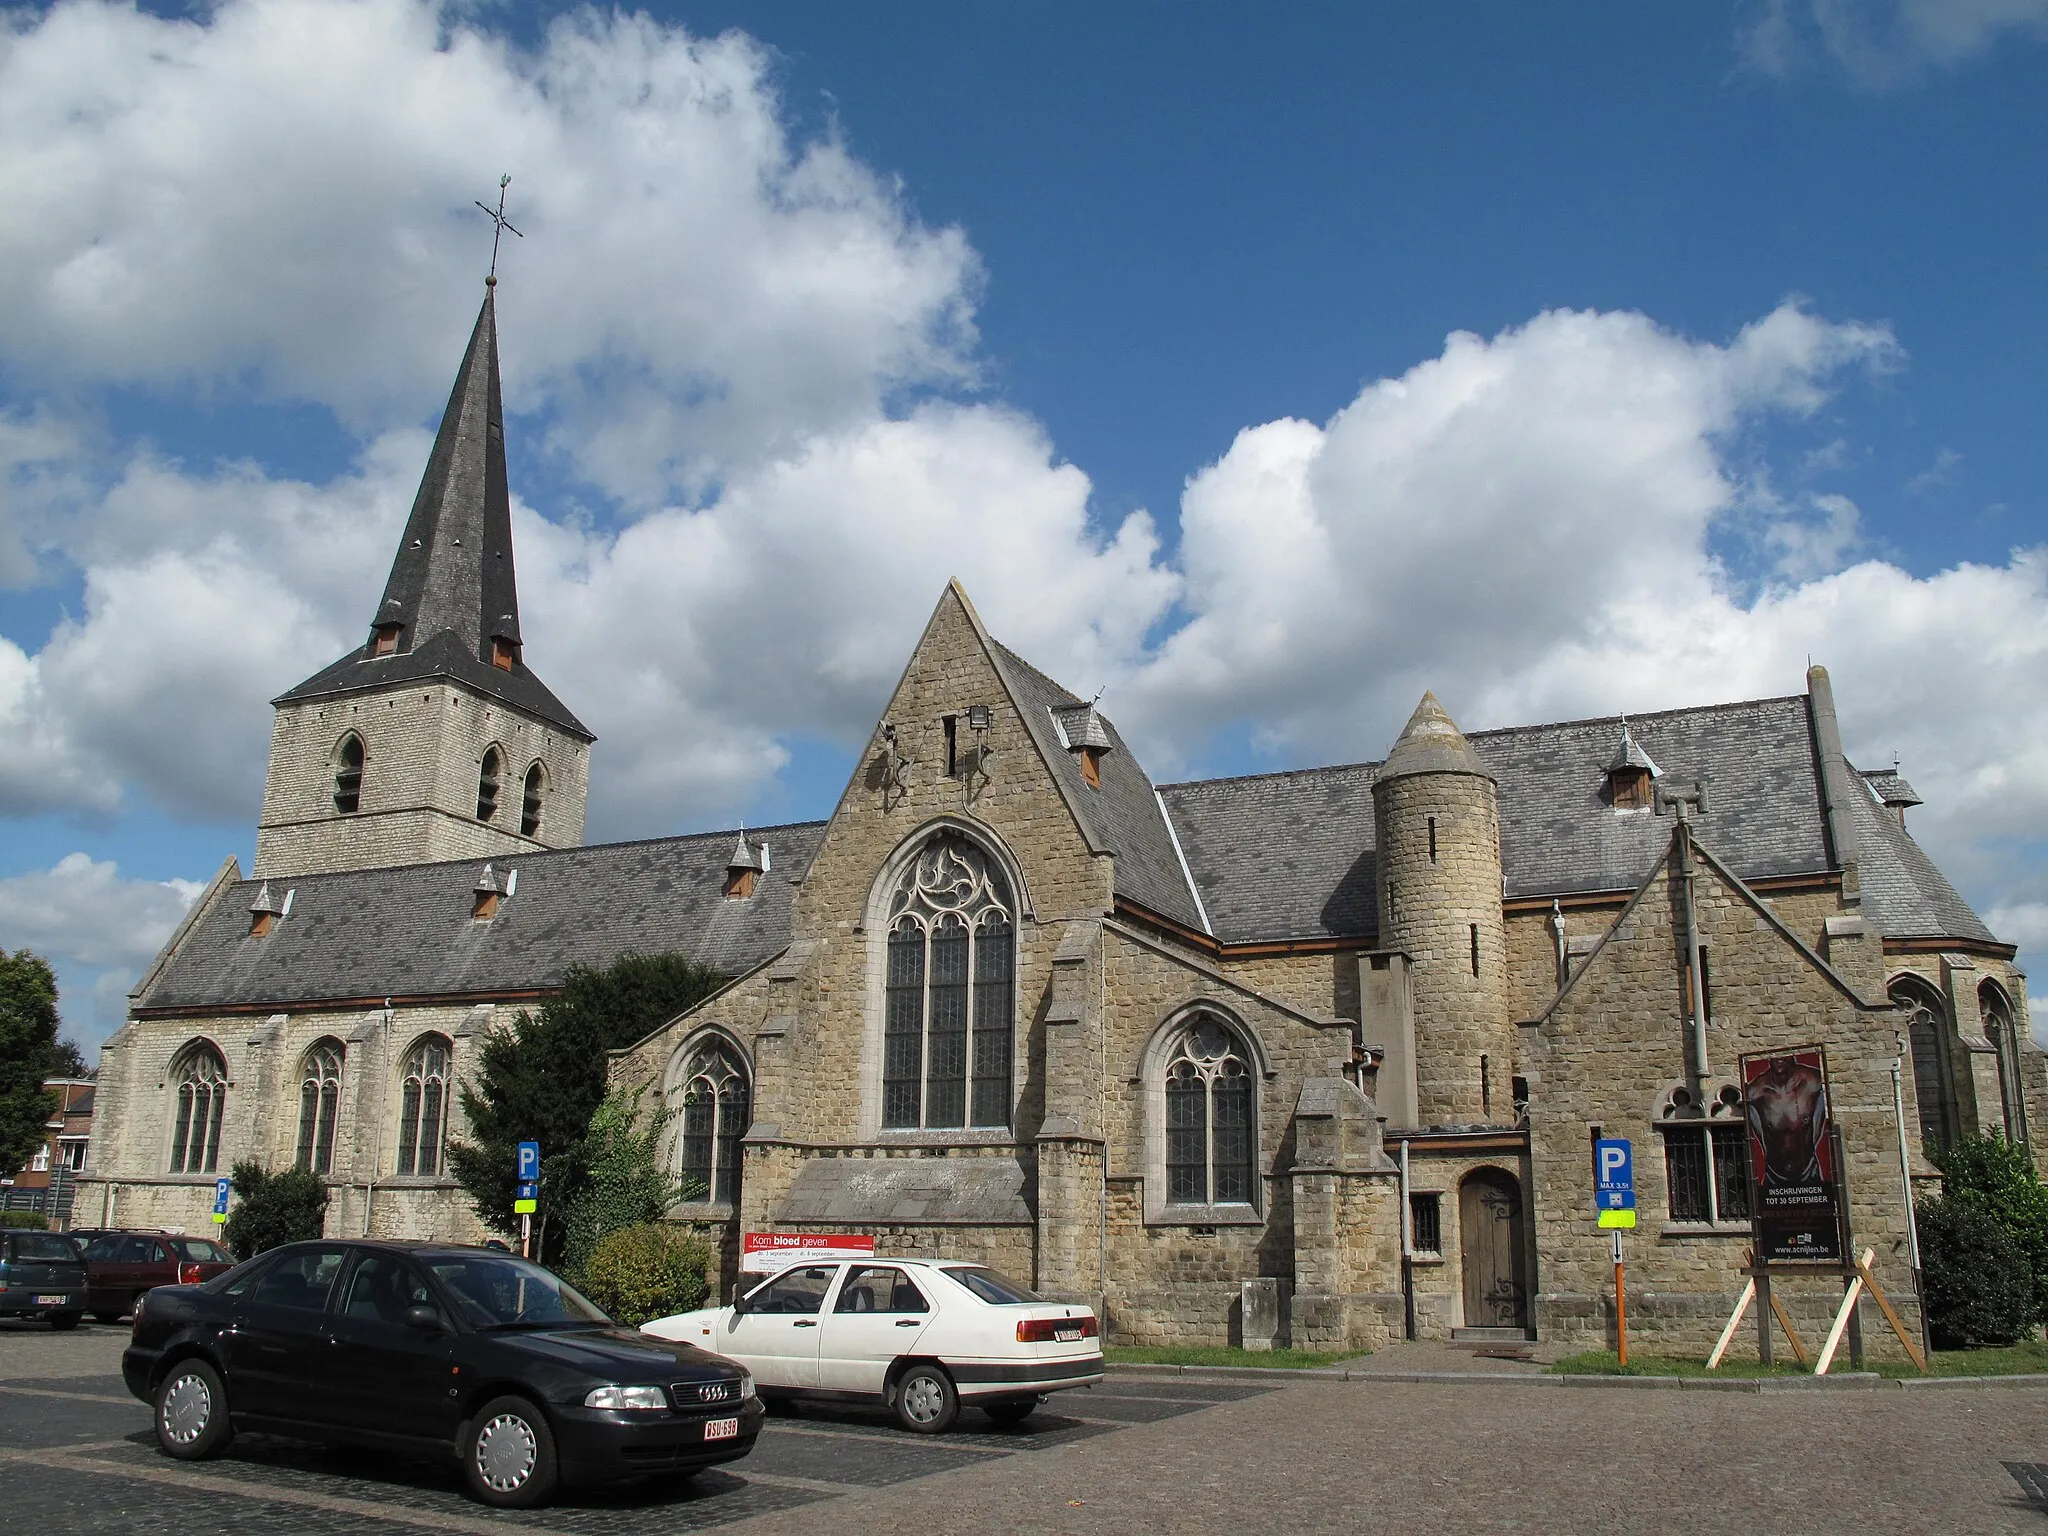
499,224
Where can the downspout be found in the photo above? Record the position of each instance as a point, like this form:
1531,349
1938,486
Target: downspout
1696,1002
1906,1184
1407,1250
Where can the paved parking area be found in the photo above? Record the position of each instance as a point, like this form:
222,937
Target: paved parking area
1140,1455
77,1456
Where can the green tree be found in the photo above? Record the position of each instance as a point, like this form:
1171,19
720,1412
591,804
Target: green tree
67,1060
28,1054
1975,1275
624,1183
543,1078
273,1208
1997,1177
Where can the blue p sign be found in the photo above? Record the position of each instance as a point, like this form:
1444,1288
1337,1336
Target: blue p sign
220,1195
1613,1168
529,1161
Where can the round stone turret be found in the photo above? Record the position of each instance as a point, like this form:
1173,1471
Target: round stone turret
1436,816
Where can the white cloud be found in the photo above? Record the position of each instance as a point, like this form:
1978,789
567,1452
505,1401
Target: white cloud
1880,43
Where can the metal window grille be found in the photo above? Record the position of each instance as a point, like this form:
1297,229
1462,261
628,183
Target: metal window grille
1425,1222
319,1102
1731,1172
1211,1118
202,1106
1685,1167
423,1108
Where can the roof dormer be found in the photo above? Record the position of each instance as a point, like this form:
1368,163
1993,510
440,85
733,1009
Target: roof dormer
1632,775
747,864
265,911
1891,790
1086,738
490,890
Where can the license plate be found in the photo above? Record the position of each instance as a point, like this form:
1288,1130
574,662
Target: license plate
1068,1335
721,1429
50,1301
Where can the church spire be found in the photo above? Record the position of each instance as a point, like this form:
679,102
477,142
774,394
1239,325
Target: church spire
453,572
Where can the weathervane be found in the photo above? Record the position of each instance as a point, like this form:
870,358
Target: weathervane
499,224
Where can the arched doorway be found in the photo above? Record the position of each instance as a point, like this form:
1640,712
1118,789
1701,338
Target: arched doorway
1490,1240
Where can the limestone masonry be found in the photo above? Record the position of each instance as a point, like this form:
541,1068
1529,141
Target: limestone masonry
1309,1058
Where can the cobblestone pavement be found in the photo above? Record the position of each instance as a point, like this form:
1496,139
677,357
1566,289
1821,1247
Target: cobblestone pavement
1176,1453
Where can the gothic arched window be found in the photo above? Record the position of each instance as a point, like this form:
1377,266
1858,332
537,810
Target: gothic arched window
529,808
423,1108
348,774
1997,1012
202,1079
1927,1037
487,783
319,1102
712,1101
1211,1129
950,991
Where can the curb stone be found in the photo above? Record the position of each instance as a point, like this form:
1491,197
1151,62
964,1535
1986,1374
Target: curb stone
1843,1381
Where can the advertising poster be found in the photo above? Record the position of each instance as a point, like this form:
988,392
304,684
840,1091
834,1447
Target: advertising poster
1794,1184
770,1253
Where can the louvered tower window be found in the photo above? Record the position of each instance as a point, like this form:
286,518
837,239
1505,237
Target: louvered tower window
529,810
348,774
487,784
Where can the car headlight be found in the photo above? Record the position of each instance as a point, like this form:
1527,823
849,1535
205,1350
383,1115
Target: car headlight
626,1397
746,1385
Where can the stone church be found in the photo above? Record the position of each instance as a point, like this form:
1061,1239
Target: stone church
1343,1032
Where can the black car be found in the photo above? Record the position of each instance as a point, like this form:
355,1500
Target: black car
417,1346
42,1274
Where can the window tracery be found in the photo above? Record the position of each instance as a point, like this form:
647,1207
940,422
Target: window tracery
949,993
715,1106
1210,1122
319,1104
202,1078
423,1108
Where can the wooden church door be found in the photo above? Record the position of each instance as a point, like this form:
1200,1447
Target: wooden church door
1490,1237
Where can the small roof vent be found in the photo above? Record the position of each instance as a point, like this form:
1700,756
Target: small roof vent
744,867
1891,790
490,889
265,910
1630,754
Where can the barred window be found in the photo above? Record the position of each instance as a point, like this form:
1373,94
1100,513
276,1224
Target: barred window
949,997
1706,1169
202,1079
1211,1137
348,774
319,1101
715,1106
1426,1223
423,1109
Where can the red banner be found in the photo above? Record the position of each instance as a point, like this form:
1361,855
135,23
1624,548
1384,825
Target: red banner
768,1253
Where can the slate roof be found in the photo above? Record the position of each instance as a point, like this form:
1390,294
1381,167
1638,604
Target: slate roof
406,931
1290,855
452,589
1122,815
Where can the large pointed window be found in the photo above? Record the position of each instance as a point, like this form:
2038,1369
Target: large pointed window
202,1087
348,774
423,1108
1211,1131
950,992
713,1103
319,1103
1927,1034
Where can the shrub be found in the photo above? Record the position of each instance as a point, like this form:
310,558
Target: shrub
1997,1177
1979,1287
648,1271
273,1208
33,1220
626,1185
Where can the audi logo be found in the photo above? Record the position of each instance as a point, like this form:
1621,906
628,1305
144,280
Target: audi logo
713,1391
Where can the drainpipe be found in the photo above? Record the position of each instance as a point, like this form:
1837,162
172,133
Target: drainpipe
1906,1184
1407,1249
1697,1024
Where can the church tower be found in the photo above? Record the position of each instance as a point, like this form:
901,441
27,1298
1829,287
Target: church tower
432,740
1436,818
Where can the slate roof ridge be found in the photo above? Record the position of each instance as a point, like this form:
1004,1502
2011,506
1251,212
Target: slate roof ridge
1071,698
1636,717
1276,773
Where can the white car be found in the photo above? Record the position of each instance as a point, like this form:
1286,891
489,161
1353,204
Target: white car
919,1335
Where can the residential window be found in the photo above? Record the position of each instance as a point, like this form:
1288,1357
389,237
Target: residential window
348,774
202,1102
1210,1140
487,784
1706,1170
715,1108
949,999
319,1102
423,1108
529,811
1426,1223
74,1155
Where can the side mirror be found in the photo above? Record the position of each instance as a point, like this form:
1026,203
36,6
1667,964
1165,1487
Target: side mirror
739,1301
426,1319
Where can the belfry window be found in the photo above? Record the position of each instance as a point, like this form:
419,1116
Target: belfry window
715,1107
1210,1135
348,774
950,992
202,1079
529,809
319,1102
423,1108
487,784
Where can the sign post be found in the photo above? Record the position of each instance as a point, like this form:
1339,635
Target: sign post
220,1201
1614,1199
527,1198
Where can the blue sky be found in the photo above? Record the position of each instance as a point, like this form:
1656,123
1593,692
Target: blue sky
1096,307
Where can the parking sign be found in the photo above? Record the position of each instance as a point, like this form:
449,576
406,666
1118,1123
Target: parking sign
526,1199
221,1187
1614,1182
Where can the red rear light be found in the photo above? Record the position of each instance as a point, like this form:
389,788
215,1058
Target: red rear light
189,1274
1047,1330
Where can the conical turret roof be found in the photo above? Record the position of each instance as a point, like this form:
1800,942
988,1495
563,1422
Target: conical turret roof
1431,743
452,595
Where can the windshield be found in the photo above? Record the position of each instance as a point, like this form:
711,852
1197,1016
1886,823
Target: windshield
494,1290
42,1248
992,1287
198,1250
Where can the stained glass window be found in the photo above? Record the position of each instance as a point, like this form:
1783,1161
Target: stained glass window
712,1097
423,1109
319,1103
202,1079
1211,1119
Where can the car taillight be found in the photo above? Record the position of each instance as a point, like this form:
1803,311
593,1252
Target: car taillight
188,1274
1050,1330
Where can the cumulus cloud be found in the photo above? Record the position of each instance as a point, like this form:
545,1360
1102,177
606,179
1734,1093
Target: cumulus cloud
1880,43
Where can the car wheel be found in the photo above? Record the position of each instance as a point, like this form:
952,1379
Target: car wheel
192,1412
925,1400
509,1454
1013,1410
63,1321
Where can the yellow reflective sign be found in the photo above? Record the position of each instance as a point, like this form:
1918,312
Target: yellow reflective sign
1626,1220
528,1207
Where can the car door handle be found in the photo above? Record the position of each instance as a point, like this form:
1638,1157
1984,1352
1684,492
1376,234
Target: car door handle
908,1322
807,1322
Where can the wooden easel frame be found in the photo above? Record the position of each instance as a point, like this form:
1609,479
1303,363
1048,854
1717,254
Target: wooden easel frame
1860,1279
